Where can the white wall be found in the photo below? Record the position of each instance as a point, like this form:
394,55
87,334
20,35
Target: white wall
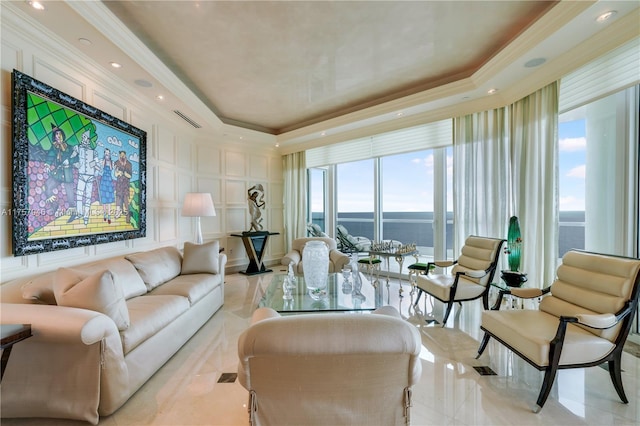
180,158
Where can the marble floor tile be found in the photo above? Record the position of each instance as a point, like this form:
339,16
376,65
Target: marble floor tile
185,391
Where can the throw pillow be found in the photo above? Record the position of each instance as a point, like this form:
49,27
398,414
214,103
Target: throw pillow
201,258
158,266
98,292
40,289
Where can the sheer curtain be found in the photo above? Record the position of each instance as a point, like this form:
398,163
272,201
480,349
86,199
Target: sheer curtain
480,175
295,197
505,164
534,146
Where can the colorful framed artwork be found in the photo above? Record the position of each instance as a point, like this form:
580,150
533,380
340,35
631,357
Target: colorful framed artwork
79,174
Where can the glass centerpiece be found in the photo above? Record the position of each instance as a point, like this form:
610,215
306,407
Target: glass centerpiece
315,258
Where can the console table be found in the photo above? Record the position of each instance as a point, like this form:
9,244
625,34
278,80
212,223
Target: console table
255,244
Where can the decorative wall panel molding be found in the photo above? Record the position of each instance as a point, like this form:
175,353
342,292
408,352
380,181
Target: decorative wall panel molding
235,164
109,105
208,159
235,192
166,145
258,167
184,152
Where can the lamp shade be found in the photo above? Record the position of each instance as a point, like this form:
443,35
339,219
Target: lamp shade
198,204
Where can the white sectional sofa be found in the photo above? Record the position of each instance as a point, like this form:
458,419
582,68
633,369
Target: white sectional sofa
101,330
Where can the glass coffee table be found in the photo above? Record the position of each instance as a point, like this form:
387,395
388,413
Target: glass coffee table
340,296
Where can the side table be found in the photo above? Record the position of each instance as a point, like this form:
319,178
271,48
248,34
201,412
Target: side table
10,334
255,244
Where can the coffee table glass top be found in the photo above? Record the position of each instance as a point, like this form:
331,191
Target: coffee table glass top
340,296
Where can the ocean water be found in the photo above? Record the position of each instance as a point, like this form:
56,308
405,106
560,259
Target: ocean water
417,227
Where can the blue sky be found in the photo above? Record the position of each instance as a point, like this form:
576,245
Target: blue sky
407,179
572,163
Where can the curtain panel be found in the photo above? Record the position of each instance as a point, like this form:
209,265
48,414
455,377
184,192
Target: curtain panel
505,164
295,197
480,175
534,163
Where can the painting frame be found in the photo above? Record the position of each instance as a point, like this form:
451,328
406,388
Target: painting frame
69,188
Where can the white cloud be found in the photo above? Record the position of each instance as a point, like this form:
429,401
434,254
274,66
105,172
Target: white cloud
578,172
113,140
573,144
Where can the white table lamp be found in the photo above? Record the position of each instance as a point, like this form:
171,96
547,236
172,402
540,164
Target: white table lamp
198,204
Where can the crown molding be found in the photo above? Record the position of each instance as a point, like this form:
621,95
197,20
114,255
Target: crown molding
103,20
447,101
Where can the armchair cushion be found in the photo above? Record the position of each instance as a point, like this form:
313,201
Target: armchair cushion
439,286
531,333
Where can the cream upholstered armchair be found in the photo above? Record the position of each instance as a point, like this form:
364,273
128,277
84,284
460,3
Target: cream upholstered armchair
470,274
583,319
329,369
337,260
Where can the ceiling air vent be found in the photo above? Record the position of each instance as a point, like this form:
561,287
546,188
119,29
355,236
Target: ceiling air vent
187,119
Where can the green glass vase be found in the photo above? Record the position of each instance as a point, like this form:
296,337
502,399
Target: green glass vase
514,243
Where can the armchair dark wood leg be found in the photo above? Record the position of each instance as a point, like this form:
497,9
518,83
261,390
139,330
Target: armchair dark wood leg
555,349
547,384
483,344
446,314
485,300
615,370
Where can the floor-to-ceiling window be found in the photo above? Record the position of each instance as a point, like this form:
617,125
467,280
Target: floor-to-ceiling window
597,173
355,197
598,180
407,198
317,199
598,160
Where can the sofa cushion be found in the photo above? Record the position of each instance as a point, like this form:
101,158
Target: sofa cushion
192,286
123,272
149,314
98,292
201,258
157,266
39,289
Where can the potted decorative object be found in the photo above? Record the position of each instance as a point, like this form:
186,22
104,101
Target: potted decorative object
514,277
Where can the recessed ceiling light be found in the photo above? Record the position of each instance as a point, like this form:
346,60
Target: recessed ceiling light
277,145
492,91
399,114
323,133
535,62
160,97
606,16
84,41
115,65
36,5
